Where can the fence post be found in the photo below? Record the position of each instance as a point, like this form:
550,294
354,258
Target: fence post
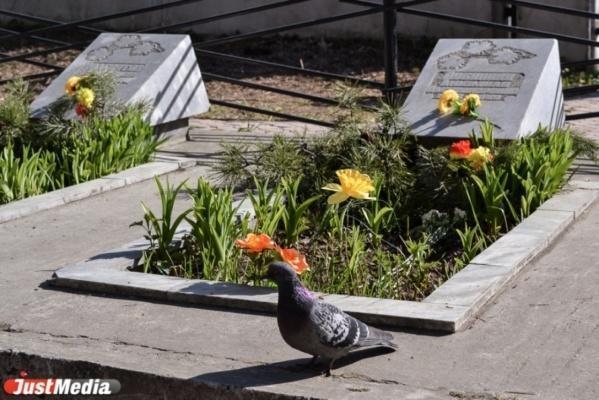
390,32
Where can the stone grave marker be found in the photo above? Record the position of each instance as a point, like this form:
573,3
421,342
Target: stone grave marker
158,69
518,81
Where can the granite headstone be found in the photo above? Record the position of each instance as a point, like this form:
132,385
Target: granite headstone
518,81
158,69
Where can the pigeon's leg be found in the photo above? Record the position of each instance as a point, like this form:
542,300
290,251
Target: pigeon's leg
328,373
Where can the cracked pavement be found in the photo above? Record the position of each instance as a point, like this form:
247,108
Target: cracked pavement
538,340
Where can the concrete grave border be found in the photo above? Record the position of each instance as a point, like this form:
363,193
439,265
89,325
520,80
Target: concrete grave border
450,308
55,198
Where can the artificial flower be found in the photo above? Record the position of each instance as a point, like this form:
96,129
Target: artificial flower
85,97
256,243
479,157
460,150
72,85
352,184
469,105
447,100
295,259
81,110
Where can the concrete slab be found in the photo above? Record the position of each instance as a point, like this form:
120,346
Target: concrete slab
526,240
537,341
576,201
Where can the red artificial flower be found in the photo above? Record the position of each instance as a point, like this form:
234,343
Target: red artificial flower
295,259
81,110
256,243
460,150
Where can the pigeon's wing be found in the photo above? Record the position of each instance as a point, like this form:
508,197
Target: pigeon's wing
335,328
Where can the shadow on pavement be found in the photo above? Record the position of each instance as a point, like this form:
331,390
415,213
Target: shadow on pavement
284,371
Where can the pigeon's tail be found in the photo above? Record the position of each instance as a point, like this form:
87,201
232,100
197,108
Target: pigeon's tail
377,337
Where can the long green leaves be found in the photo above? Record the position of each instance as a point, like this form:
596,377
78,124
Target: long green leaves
103,146
87,150
215,229
161,230
294,219
28,175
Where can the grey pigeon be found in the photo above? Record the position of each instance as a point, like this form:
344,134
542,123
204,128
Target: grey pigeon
315,327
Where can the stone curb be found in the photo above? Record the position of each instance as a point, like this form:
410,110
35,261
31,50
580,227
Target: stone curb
450,308
31,205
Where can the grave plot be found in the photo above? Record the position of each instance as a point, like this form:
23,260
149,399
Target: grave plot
96,126
382,227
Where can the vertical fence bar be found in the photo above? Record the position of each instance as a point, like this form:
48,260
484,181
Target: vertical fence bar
390,37
510,15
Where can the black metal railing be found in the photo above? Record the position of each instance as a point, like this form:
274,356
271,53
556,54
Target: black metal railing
389,10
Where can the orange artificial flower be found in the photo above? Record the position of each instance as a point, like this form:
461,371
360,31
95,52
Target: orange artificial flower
460,150
256,243
70,88
295,259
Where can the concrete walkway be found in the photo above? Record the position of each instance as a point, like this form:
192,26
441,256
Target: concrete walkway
539,340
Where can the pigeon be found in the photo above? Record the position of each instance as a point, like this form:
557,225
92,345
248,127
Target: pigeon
312,326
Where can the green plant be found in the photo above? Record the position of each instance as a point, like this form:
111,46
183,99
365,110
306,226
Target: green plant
377,216
214,228
473,241
29,174
98,147
294,220
540,166
268,206
489,200
161,230
14,111
416,266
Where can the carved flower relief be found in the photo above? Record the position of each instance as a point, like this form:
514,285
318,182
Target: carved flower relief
136,45
478,47
508,55
126,41
145,48
485,49
452,61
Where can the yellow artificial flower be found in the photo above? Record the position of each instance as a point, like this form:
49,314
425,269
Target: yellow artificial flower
353,184
479,157
72,84
447,99
85,97
469,104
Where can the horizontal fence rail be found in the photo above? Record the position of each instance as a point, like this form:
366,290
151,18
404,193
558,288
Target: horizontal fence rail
388,9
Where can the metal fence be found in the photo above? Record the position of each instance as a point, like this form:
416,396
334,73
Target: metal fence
388,10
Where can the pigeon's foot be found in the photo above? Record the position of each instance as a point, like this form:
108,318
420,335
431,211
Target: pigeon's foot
328,371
